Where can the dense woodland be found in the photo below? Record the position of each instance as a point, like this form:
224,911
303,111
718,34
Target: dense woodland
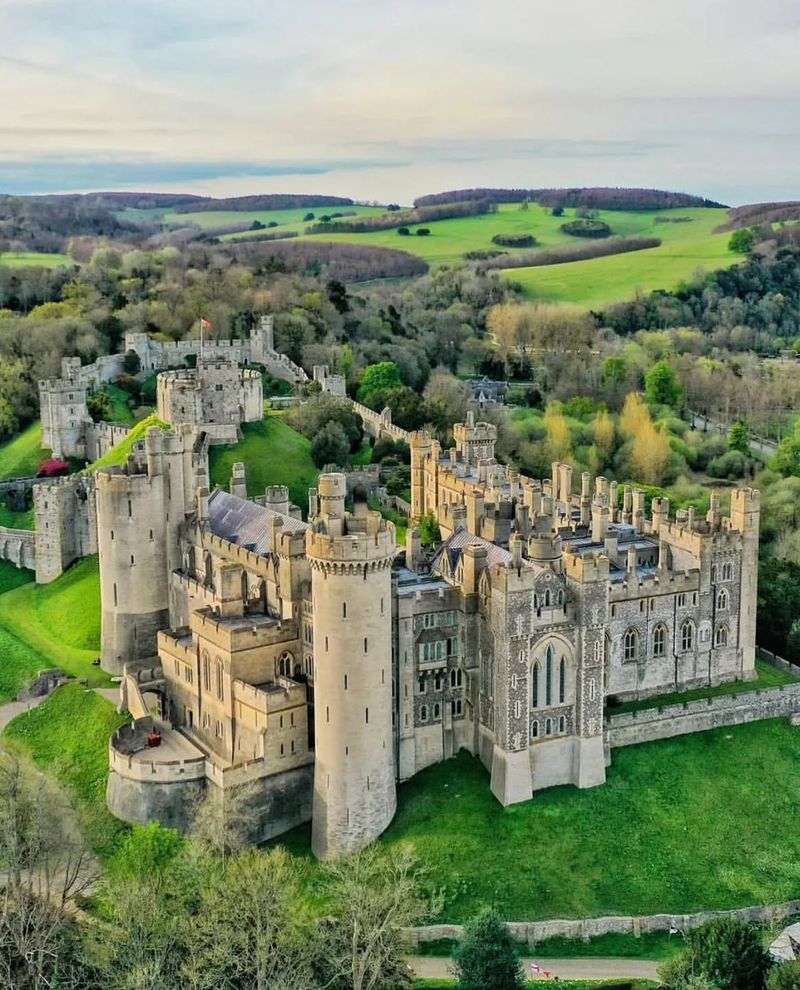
597,198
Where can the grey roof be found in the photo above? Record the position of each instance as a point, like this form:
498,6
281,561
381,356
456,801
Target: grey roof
454,546
245,523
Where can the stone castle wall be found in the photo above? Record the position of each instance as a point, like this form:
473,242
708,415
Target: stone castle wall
533,932
700,716
18,546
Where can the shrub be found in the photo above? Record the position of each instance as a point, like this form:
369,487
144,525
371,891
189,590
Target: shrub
129,384
731,465
488,956
403,231
726,952
131,363
422,231
99,406
586,228
514,240
785,976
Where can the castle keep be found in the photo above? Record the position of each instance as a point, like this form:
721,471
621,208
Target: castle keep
319,664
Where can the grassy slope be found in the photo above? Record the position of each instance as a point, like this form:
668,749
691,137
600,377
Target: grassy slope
273,454
291,219
686,246
119,452
27,260
22,456
52,625
16,520
700,822
768,676
67,737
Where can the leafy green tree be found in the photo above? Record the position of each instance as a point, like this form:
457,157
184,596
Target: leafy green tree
429,532
725,952
378,378
487,957
661,385
786,976
99,406
739,439
330,445
787,457
742,241
131,363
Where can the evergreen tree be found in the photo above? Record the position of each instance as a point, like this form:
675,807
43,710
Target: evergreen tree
739,438
661,385
487,957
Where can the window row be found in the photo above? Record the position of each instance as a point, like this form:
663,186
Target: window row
455,677
658,640
722,572
430,620
548,598
438,649
456,710
551,726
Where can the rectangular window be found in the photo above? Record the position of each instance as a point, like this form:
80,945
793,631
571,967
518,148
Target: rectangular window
681,601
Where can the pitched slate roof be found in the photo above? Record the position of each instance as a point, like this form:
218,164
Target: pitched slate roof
245,523
454,547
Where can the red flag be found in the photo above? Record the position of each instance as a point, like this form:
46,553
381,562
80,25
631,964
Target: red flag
205,324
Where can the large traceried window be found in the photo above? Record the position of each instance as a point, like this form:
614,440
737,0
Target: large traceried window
660,640
630,645
687,636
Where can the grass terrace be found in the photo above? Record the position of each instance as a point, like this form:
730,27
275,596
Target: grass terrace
768,676
21,457
118,454
30,259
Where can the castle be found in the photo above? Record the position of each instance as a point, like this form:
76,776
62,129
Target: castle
310,665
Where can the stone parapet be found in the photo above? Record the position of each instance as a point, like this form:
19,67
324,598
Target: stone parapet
699,716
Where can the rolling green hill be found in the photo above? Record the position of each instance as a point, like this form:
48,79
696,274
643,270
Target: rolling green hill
288,220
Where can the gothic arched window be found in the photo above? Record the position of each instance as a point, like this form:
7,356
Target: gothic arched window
722,600
630,645
660,640
285,664
548,677
687,636
562,681
535,685
721,636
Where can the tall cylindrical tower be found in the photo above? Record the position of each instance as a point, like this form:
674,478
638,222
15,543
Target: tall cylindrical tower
354,776
132,544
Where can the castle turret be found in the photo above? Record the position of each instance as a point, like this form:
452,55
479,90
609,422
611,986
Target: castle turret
139,512
354,774
745,516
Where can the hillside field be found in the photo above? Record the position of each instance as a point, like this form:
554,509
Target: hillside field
21,456
596,282
32,259
287,220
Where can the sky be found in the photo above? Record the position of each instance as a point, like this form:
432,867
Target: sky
387,101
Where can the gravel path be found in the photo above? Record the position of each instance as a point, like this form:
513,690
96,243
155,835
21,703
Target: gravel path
434,967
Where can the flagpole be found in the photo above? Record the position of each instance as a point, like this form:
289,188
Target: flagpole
201,341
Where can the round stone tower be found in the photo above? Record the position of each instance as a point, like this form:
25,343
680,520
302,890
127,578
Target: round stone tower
354,777
139,510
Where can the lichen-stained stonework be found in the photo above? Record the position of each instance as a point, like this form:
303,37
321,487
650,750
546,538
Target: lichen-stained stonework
317,659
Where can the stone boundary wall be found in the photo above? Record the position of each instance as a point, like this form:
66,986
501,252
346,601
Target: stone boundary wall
586,928
101,437
700,716
18,546
380,424
394,502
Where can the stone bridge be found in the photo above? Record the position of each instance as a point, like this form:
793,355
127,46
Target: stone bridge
18,546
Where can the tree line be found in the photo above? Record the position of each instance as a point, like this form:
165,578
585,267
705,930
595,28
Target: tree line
594,197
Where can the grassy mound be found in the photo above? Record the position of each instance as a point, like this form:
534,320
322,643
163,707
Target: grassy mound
53,625
700,822
21,457
118,454
67,737
273,454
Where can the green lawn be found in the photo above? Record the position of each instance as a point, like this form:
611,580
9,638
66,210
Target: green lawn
12,577
651,945
21,457
400,521
67,737
273,454
699,822
31,259
120,404
768,676
55,625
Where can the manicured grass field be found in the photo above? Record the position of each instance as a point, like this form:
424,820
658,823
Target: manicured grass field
273,454
21,457
699,822
768,676
67,737
28,260
55,625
